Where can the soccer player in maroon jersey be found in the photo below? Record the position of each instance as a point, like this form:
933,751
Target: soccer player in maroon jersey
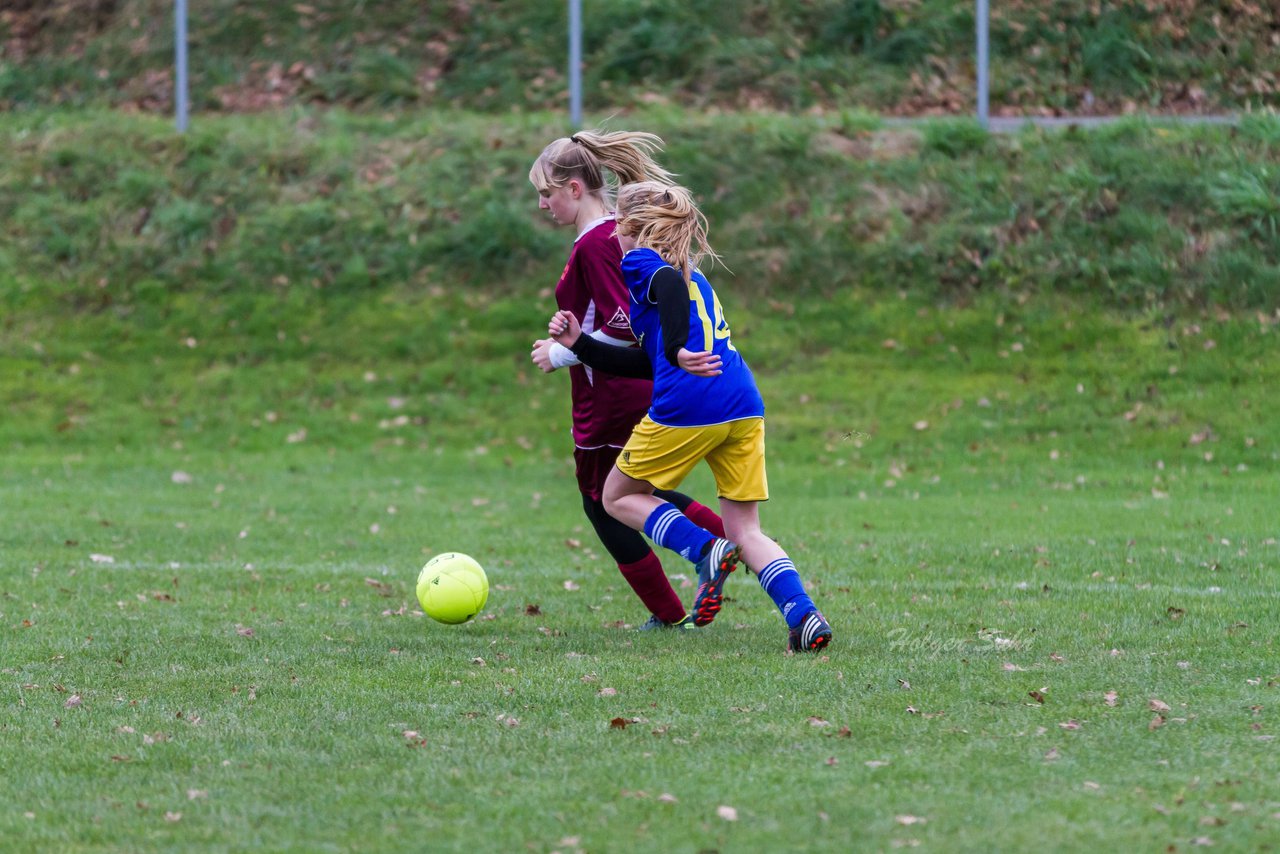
571,177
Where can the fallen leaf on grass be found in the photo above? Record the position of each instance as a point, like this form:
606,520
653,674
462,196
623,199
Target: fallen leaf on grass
619,723
727,813
667,798
1036,695
831,760
1051,755
816,721
382,588
1156,722
1069,725
607,692
1010,667
244,631
1157,705
173,817
876,763
196,794
96,558
908,820
570,585
532,611
1110,698
72,701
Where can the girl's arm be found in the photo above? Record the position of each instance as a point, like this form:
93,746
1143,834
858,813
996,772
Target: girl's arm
670,293
620,361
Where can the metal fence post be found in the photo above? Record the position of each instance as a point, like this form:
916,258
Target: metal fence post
180,101
575,63
983,57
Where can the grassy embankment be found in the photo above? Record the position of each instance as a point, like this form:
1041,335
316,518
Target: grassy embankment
1070,56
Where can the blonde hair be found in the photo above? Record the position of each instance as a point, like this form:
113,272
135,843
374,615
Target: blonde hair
664,218
591,156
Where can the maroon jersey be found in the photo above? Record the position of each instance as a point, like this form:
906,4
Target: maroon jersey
605,407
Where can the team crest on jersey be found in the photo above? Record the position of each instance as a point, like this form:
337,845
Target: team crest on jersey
619,321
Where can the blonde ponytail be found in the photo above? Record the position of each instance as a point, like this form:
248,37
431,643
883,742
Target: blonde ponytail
664,218
600,162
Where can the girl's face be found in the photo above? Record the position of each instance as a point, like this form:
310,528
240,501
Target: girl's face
626,241
562,202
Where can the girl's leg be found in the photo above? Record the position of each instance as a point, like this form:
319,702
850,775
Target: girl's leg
700,514
776,572
628,500
633,503
742,525
637,562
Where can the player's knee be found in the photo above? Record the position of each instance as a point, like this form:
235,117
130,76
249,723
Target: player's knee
743,535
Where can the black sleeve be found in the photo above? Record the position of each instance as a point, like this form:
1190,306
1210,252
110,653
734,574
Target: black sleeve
619,361
670,293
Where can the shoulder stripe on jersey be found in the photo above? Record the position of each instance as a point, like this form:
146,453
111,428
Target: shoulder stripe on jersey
648,286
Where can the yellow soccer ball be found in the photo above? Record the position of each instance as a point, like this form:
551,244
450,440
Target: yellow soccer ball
452,588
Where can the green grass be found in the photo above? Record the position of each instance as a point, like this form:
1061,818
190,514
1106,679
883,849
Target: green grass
995,489
249,662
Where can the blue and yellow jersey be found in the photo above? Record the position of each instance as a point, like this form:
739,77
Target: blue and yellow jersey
681,399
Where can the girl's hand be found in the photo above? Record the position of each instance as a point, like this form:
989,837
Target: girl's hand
541,355
704,364
564,328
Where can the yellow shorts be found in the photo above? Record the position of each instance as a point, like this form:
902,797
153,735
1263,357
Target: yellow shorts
664,456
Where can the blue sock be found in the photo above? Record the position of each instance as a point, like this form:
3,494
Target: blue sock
670,528
781,581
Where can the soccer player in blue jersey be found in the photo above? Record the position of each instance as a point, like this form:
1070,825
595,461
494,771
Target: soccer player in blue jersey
706,406
571,176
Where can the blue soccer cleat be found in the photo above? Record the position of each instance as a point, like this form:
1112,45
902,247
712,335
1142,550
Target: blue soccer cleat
811,635
720,560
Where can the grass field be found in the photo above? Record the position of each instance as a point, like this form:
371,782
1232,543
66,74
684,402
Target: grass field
1045,539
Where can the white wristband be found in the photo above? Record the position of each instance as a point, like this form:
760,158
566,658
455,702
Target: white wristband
562,357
